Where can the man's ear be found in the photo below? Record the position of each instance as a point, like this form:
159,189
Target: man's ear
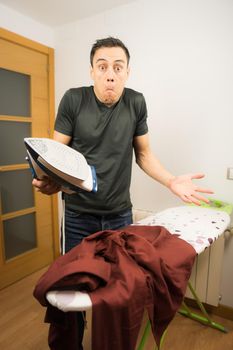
91,72
128,71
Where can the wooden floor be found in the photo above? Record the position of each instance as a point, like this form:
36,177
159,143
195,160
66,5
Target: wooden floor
185,334
22,326
21,317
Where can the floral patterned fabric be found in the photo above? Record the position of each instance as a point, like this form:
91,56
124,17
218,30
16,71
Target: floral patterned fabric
196,225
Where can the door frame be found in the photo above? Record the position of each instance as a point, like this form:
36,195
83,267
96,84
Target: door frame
33,45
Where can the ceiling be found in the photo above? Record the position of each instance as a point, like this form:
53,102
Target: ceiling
59,12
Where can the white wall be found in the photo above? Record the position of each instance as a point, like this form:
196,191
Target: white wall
182,54
25,26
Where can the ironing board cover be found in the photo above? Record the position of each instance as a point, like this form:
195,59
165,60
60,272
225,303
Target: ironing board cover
198,226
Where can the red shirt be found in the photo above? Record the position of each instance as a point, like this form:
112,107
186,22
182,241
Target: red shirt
124,272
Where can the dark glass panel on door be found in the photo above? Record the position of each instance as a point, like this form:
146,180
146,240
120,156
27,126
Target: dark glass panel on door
14,93
11,142
16,190
19,235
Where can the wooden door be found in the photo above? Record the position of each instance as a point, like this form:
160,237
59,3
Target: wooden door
28,219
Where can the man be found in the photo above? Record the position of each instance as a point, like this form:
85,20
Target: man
106,122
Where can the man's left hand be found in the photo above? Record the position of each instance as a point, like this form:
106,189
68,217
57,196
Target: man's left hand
183,187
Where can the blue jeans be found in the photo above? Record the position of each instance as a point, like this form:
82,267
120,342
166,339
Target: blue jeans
81,225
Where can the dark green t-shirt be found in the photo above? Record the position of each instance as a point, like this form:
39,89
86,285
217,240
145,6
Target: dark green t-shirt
104,135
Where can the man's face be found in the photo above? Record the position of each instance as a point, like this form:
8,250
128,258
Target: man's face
109,73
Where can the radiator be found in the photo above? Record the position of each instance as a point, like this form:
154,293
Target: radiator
206,273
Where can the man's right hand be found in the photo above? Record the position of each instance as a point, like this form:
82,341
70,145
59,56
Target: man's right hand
46,186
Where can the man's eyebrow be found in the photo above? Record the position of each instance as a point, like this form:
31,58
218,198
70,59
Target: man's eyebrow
103,59
121,61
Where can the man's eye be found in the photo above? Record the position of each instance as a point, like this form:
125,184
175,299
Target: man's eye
117,69
102,68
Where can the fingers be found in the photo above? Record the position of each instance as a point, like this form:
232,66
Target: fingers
196,201
190,199
197,176
40,184
198,197
204,190
206,200
36,182
185,199
195,198
49,189
46,186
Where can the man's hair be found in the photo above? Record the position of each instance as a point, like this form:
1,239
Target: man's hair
108,42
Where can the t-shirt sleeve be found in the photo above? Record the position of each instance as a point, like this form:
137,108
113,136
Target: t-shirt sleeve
64,122
141,127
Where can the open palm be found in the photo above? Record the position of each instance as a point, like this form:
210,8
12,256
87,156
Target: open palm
184,188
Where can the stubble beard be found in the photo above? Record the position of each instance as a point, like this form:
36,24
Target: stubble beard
110,99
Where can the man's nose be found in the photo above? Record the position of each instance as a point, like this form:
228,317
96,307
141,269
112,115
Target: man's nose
110,75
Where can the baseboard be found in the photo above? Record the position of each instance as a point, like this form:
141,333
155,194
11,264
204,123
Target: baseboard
220,310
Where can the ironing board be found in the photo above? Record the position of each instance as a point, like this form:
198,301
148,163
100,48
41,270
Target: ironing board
198,226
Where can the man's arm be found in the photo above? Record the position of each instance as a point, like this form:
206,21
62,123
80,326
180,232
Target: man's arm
58,136
47,185
182,186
